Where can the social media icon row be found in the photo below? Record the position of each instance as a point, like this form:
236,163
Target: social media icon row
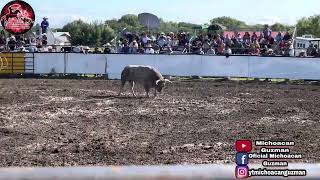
242,158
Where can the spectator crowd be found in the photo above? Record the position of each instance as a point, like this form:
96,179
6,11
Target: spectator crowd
264,43
254,43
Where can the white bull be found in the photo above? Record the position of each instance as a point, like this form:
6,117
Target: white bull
148,76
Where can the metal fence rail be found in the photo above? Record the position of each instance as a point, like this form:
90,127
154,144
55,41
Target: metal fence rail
199,172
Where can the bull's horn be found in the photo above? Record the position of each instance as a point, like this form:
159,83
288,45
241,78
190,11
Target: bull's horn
167,80
157,82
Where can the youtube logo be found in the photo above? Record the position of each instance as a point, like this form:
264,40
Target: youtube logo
244,146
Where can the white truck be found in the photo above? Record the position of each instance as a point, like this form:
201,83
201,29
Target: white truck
302,43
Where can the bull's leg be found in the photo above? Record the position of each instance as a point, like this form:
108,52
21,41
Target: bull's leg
123,82
147,88
132,88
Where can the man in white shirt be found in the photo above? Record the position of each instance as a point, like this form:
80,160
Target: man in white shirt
33,45
211,51
145,39
162,41
149,49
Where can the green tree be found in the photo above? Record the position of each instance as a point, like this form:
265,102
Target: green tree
230,23
168,26
310,25
130,19
94,34
280,27
107,34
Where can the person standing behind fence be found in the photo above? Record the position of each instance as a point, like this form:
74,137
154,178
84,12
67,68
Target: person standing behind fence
44,25
254,37
149,49
44,40
33,45
134,47
279,37
267,32
3,41
12,43
287,36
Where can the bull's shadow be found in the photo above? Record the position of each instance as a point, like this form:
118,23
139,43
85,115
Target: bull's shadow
119,97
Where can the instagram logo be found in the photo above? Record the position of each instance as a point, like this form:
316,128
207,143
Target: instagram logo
242,171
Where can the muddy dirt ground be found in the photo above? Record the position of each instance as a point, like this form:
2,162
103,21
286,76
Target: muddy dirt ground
82,122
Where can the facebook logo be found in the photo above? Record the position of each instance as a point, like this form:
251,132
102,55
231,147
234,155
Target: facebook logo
242,159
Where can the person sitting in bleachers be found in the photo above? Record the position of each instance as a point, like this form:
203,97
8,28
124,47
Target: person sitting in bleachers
211,51
134,47
32,45
279,37
44,39
314,51
149,49
3,41
286,37
12,43
108,49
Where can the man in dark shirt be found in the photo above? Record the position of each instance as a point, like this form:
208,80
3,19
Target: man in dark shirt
314,51
3,40
44,39
44,25
20,42
267,32
108,49
286,37
12,43
125,48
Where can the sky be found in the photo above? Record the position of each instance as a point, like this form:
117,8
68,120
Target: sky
288,12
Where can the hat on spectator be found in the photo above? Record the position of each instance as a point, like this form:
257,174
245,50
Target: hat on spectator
44,34
162,33
270,50
107,45
86,48
171,33
12,38
45,18
149,46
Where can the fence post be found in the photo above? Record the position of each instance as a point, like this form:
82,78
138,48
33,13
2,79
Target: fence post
12,62
106,67
65,63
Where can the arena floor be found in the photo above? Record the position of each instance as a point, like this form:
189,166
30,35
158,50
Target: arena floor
82,122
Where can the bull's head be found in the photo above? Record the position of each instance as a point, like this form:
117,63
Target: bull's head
161,83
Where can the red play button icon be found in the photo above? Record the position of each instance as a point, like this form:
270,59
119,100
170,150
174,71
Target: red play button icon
244,146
